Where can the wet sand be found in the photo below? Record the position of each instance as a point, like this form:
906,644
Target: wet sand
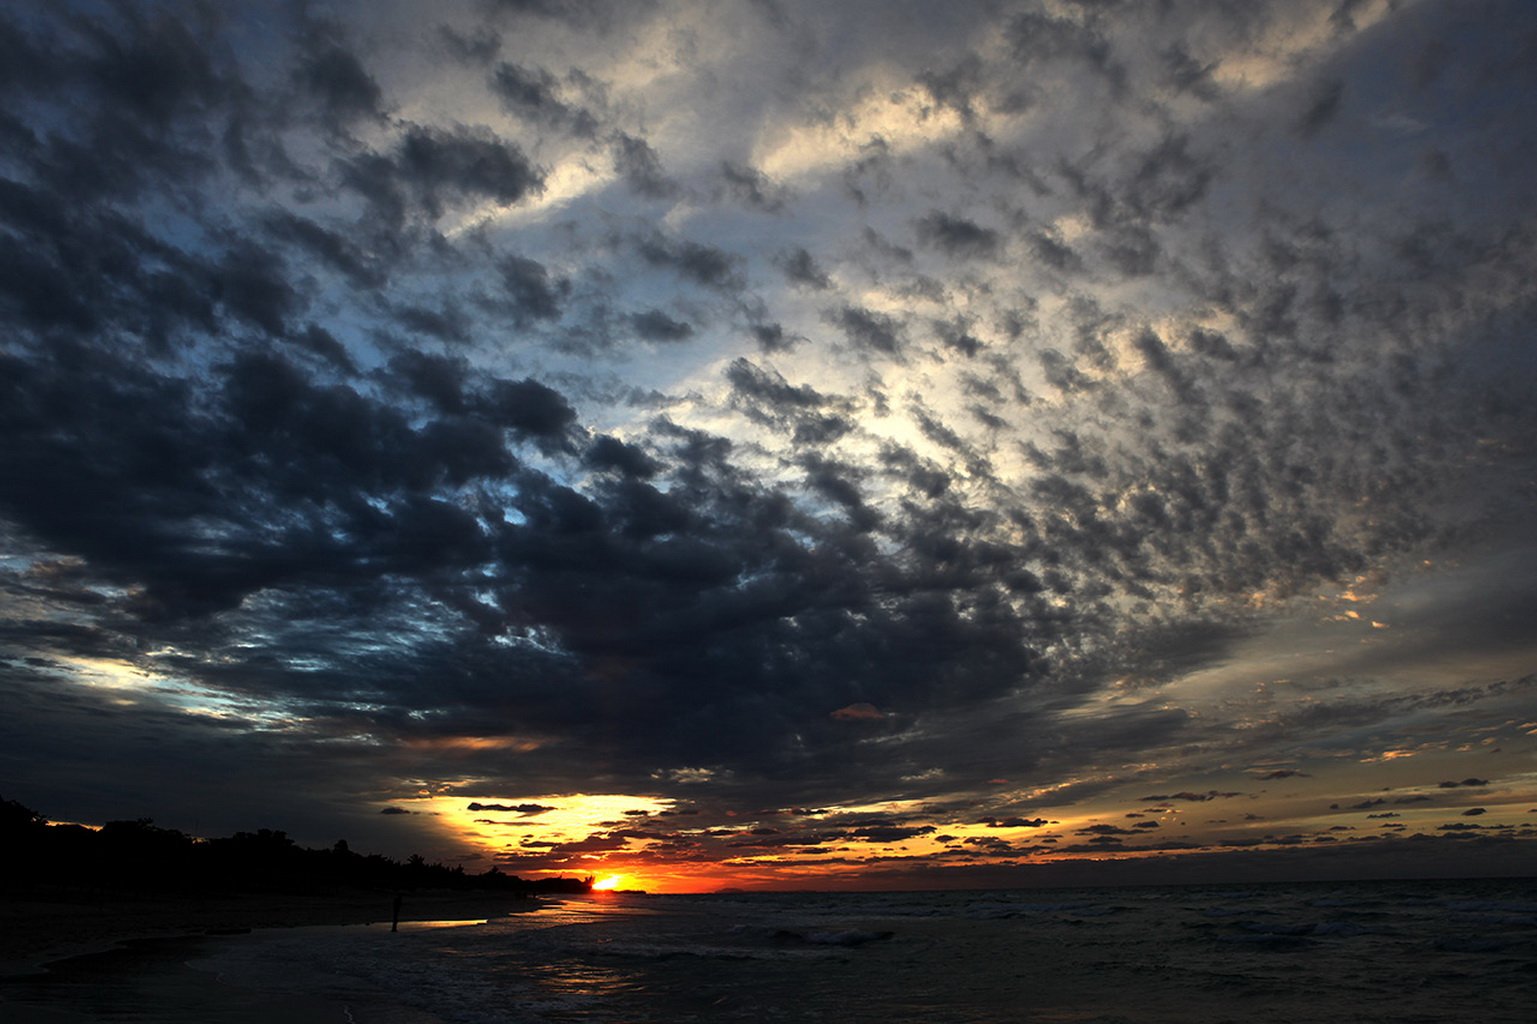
73,962
40,928
149,980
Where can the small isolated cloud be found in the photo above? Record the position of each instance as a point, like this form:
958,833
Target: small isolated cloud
860,711
1186,795
511,808
395,810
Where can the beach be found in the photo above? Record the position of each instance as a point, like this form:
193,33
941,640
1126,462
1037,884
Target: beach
74,957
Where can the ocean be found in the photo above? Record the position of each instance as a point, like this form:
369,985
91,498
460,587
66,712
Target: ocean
1335,952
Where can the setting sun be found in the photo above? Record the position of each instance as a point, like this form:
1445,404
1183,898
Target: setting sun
606,884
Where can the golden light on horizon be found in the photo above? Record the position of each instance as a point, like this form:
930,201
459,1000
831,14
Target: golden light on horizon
607,884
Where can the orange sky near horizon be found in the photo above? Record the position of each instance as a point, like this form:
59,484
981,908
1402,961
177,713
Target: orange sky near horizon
656,845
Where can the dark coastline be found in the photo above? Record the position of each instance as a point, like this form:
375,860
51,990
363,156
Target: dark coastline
38,928
74,958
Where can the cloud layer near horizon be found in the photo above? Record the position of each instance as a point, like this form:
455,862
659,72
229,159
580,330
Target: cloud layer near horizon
929,416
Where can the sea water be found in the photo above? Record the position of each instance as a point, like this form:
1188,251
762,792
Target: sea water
1415,951
1409,951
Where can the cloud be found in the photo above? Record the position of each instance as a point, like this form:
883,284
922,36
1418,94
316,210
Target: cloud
873,435
641,167
868,329
802,269
1323,108
655,325
752,188
432,169
340,86
534,93
957,236
534,294
861,711
528,809
704,265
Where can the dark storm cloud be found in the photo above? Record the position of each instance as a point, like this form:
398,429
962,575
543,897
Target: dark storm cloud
478,46
331,247
611,453
767,398
296,424
432,168
641,168
1038,38
534,93
1053,252
955,335
444,324
1167,180
752,188
592,14
1322,108
772,337
530,89
336,80
534,293
655,325
801,268
868,329
439,379
529,408
704,265
957,236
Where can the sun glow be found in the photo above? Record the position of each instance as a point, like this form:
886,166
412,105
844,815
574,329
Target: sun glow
607,884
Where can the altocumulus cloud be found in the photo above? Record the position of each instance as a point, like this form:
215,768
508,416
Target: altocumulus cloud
834,413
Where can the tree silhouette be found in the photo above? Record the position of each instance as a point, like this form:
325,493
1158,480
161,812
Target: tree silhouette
135,854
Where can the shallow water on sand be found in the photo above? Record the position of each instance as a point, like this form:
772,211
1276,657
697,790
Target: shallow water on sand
1403,952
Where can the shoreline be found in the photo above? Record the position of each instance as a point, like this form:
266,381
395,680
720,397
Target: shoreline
38,930
68,961
155,979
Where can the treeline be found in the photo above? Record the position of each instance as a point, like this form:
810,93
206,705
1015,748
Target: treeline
139,855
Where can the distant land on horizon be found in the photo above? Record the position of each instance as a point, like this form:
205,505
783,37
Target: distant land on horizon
138,856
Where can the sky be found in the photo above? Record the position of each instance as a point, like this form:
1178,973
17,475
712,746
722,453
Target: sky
761,443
